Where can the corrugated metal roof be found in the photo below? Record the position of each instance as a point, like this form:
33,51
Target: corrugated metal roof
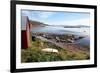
23,22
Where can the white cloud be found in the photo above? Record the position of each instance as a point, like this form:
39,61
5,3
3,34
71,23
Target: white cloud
45,15
25,13
37,15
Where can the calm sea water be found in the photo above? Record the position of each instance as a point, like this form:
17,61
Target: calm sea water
83,31
62,30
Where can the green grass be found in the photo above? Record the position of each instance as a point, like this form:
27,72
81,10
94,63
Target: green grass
34,53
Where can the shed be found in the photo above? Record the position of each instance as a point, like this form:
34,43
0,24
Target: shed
25,32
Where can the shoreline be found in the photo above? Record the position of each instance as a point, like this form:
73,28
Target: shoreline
74,47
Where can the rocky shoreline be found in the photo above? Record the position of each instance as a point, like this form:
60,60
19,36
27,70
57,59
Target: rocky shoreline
64,41
59,38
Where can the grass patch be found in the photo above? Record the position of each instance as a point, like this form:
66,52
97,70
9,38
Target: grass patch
34,53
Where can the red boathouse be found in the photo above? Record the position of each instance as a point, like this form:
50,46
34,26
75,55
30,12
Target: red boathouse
25,32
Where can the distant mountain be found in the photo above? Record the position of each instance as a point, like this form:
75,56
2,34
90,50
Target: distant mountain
77,26
69,26
41,24
83,26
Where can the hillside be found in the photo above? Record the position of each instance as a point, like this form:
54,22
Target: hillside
37,23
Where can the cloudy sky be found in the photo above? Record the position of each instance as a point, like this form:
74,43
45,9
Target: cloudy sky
58,18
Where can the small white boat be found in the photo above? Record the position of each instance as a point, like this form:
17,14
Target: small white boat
50,50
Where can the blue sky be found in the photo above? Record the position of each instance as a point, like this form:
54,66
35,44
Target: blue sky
58,18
